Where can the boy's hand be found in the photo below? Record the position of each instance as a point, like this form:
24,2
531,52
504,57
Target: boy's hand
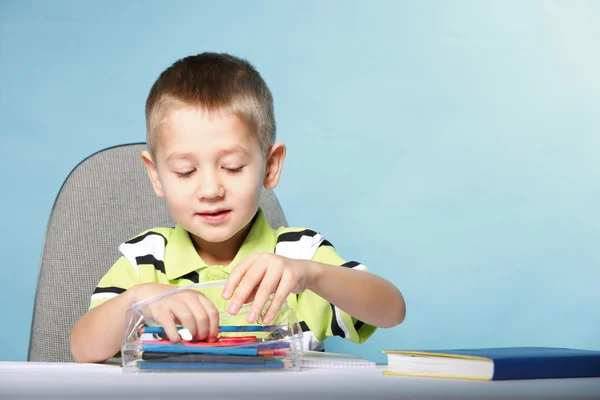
190,308
263,274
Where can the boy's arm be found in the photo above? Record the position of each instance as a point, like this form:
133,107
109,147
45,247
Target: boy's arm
353,300
366,296
98,335
367,299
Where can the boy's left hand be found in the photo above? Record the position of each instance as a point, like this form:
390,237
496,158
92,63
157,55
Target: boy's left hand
265,274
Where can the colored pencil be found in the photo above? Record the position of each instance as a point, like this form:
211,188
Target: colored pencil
190,366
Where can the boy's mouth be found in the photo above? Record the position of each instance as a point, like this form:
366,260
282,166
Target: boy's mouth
213,213
214,216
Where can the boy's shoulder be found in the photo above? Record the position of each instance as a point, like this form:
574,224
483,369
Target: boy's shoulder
286,233
152,241
299,243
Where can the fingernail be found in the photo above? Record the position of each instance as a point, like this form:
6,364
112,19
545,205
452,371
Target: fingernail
267,319
233,308
251,316
225,293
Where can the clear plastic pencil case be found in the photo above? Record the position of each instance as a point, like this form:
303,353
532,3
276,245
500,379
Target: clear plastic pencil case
240,346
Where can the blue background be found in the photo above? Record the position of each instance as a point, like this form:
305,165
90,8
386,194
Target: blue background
451,146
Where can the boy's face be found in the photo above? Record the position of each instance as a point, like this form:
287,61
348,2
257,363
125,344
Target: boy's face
211,170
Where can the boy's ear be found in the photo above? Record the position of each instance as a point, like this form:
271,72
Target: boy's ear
153,174
274,165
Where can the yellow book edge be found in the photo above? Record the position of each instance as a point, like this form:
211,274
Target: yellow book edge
426,353
434,376
432,354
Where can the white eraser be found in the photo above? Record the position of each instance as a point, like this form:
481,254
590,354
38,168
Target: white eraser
185,334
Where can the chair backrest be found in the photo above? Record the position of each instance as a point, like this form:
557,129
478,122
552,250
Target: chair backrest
104,201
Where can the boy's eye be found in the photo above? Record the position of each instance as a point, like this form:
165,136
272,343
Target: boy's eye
184,174
234,170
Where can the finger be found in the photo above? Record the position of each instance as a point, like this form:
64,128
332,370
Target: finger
245,288
250,298
186,315
237,274
281,294
165,318
269,284
200,318
213,317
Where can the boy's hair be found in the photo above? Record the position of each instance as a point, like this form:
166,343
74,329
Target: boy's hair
216,83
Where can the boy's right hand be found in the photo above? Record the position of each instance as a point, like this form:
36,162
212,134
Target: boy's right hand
190,308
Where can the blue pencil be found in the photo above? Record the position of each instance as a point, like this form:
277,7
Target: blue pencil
204,366
182,349
225,328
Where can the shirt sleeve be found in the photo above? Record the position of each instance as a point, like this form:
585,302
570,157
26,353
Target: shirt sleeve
325,319
120,277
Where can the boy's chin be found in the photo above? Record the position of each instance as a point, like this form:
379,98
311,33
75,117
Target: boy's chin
213,238
216,236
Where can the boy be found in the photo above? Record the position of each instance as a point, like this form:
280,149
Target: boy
211,150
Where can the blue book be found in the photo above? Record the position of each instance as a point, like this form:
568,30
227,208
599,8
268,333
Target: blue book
503,363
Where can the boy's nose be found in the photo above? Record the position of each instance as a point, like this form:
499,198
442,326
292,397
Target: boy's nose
210,187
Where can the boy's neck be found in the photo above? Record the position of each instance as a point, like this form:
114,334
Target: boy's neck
221,253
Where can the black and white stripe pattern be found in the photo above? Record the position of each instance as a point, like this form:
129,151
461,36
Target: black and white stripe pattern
355,265
301,245
148,248
149,259
145,249
106,292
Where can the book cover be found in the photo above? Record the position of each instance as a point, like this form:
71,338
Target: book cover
503,363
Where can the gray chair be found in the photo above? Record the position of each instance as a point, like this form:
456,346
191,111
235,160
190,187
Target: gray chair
104,201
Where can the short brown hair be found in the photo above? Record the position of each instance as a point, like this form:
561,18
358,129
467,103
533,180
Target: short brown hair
215,82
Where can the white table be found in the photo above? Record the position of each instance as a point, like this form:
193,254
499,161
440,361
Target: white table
20,380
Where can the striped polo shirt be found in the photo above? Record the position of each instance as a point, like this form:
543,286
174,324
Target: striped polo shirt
168,256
